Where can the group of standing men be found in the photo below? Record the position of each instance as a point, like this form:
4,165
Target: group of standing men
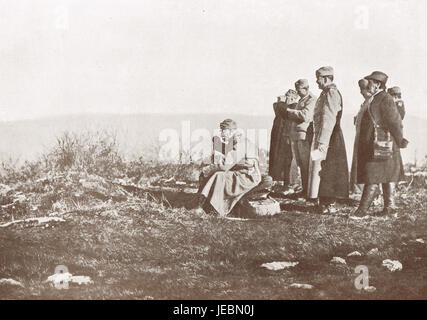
309,129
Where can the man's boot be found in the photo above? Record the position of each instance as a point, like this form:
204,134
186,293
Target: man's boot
262,190
388,195
327,206
196,201
368,195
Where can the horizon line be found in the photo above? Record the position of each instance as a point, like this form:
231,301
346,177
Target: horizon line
65,115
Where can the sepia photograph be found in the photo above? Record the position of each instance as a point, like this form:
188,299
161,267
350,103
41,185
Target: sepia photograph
201,150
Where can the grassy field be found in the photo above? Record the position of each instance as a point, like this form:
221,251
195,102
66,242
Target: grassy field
145,249
148,243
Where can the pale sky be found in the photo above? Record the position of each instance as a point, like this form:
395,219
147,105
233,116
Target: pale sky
194,56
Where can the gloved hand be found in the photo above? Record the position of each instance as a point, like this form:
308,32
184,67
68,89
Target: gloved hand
319,153
316,155
404,143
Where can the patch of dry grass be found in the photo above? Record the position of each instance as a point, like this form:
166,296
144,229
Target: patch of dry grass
145,242
142,249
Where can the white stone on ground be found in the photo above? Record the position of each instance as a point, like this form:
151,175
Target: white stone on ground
338,260
369,289
11,282
301,286
354,253
59,278
392,265
279,265
81,280
373,251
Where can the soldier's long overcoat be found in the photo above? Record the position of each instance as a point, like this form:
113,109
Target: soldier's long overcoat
358,121
334,173
280,156
386,114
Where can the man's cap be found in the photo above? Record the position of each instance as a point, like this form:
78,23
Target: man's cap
325,71
301,83
291,92
394,91
378,76
228,124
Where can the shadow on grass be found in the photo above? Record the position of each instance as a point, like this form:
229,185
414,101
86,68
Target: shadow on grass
180,198
174,198
308,208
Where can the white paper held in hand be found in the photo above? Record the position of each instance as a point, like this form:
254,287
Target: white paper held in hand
317,155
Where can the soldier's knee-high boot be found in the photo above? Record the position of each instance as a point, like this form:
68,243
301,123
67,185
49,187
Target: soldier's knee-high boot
388,195
368,196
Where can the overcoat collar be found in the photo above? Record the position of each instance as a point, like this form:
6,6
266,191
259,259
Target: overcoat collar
309,94
328,87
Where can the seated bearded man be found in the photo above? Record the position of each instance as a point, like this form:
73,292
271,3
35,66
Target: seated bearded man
232,174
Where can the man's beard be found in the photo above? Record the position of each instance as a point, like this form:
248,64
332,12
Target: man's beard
372,89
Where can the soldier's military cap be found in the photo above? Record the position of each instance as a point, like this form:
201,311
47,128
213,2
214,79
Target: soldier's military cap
301,83
378,76
228,124
290,93
325,71
394,91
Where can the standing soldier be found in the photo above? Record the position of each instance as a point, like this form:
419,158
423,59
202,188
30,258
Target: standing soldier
396,94
384,165
280,158
363,85
301,132
328,176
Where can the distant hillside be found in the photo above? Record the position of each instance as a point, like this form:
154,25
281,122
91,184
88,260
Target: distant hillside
137,134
